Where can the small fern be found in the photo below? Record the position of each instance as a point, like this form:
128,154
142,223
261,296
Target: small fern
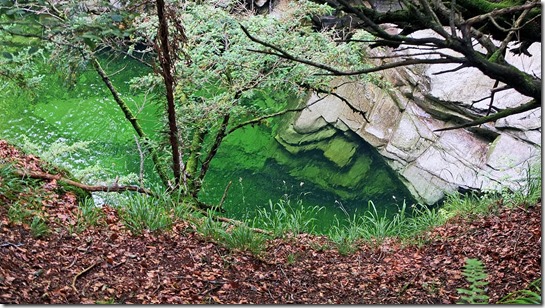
475,274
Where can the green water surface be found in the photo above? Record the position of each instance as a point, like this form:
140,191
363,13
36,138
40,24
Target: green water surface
257,167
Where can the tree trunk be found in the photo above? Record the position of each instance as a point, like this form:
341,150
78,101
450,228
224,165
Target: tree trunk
132,119
166,66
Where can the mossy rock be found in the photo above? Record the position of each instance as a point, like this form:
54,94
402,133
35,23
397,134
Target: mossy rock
291,137
340,151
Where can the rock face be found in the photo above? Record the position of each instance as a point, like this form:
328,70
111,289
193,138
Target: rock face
404,115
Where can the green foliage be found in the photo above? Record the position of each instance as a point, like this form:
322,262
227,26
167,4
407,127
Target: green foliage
210,228
218,73
469,204
530,191
142,212
282,217
18,213
10,185
529,296
19,71
378,226
423,218
38,227
475,274
88,214
239,237
244,238
375,227
22,196
345,237
225,76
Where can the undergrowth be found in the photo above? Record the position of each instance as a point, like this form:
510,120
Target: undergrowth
528,296
475,274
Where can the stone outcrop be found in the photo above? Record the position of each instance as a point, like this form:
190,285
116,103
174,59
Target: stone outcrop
404,114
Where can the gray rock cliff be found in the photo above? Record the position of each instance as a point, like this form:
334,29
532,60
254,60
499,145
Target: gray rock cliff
404,115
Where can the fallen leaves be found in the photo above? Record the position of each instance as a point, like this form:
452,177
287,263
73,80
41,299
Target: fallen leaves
107,264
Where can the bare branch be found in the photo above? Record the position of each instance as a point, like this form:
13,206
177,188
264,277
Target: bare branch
411,55
509,36
498,12
206,163
459,67
90,188
492,98
336,72
259,119
502,114
344,100
494,90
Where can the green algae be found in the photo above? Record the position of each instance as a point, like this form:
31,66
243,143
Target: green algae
329,168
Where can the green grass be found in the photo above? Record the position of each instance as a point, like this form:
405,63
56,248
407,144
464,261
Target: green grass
210,228
529,296
374,226
345,236
89,214
18,213
240,237
39,227
143,212
283,217
245,239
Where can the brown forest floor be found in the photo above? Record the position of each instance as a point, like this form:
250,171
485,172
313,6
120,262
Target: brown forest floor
178,266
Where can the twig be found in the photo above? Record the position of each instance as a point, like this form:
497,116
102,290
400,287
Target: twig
81,273
7,244
73,262
332,71
502,114
492,97
259,119
224,194
141,174
287,278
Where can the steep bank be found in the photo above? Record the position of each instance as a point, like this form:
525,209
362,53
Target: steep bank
106,264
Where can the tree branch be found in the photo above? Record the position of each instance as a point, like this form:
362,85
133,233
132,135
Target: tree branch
90,188
284,54
502,114
259,119
503,11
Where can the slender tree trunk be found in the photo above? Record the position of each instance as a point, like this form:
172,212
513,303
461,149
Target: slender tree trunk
222,132
193,161
166,68
132,119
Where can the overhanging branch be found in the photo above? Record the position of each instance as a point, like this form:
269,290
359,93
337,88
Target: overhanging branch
502,114
335,72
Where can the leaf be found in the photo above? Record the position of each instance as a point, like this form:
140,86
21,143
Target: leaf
116,17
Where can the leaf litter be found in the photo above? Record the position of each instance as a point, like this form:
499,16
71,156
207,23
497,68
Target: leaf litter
107,264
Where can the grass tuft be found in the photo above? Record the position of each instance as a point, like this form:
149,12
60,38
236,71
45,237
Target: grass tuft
142,212
282,218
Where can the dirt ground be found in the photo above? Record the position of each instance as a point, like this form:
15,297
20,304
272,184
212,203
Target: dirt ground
107,264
